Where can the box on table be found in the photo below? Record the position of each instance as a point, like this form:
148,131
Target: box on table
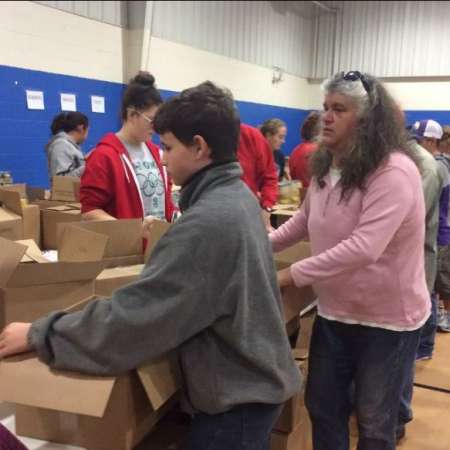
114,278
97,413
294,299
66,189
32,288
16,209
283,213
111,279
51,217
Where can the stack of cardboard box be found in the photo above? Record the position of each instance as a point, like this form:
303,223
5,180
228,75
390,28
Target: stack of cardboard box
18,219
31,286
101,413
96,413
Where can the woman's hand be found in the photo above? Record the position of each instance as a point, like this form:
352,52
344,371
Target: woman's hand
285,278
14,339
265,215
147,226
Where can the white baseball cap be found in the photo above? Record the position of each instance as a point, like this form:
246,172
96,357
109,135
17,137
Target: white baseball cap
427,129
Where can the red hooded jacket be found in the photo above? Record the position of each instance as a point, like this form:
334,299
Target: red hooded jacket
109,182
299,162
256,159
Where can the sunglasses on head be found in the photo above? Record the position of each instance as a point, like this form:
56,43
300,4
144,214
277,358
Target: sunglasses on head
355,75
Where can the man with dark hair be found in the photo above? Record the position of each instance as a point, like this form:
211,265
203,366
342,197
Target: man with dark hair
209,290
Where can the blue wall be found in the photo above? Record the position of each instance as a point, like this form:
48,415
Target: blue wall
24,133
256,113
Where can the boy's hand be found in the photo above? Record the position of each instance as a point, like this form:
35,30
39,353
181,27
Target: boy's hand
14,339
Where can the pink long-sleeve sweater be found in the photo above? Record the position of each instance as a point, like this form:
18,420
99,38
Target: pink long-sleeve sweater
367,263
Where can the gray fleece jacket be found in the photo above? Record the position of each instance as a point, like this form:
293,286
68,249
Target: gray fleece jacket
432,183
209,289
64,156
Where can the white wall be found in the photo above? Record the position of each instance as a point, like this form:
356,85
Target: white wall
37,37
421,95
412,95
178,67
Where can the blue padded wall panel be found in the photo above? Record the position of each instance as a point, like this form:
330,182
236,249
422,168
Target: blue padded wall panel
24,133
255,114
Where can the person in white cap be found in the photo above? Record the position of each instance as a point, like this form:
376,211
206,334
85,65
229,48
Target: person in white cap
429,133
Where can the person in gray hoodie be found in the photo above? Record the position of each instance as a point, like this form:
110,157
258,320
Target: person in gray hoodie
209,290
65,157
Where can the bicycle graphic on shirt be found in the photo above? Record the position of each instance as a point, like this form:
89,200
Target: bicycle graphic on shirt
150,182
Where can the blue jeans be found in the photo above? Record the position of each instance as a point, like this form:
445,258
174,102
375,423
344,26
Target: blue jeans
246,427
373,359
425,348
428,331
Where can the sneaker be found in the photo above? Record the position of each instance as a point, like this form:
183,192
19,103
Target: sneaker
443,321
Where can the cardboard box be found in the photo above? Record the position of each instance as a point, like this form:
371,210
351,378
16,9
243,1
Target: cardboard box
294,299
66,189
113,278
50,218
125,244
292,431
31,289
97,413
158,230
298,439
283,213
294,412
10,225
29,214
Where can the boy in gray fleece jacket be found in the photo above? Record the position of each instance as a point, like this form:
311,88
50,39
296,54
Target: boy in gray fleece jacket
209,290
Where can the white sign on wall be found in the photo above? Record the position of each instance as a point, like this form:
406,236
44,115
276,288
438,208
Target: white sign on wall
35,100
98,104
68,102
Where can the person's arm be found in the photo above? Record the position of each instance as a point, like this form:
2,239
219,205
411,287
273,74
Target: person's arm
267,174
97,186
62,157
165,307
292,231
97,214
388,199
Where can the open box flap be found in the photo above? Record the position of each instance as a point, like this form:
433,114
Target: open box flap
33,252
10,258
125,236
27,381
157,231
160,379
79,245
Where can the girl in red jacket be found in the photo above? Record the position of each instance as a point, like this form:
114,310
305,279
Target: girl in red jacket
124,178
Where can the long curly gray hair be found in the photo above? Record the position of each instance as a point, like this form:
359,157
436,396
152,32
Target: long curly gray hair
381,131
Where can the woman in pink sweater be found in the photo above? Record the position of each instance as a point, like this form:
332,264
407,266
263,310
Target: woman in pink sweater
364,215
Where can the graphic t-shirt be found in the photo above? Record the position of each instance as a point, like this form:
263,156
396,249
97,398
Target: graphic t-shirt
149,178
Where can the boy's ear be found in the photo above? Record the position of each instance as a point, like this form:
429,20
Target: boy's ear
201,147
